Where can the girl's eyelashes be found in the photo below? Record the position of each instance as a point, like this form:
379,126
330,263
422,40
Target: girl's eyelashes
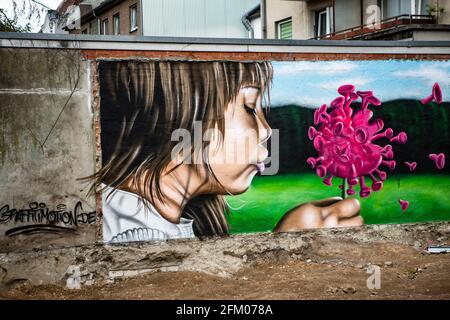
250,110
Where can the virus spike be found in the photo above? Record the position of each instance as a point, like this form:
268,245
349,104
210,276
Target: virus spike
344,158
327,132
325,118
365,190
312,132
337,149
387,152
348,132
364,95
361,135
381,174
411,165
338,127
390,164
350,190
435,95
319,142
346,89
327,181
374,101
376,184
321,171
353,96
352,172
337,103
316,117
400,138
376,126
388,133
439,159
313,161
323,109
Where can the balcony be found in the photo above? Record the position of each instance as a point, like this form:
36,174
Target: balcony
380,29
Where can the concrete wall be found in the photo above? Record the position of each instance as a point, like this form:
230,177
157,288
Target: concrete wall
49,136
424,35
46,144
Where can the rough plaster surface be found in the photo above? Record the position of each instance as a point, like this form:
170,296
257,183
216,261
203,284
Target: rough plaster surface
218,256
46,138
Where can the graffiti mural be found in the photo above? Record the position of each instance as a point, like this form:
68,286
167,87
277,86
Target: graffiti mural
194,149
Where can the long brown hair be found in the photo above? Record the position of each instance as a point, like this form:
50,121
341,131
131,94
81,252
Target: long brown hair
142,102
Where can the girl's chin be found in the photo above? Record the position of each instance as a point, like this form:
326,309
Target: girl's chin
243,183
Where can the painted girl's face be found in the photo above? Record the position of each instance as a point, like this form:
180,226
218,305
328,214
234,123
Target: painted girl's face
237,159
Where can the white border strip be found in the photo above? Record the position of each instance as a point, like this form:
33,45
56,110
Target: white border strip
198,47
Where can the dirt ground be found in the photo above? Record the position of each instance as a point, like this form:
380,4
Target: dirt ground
334,273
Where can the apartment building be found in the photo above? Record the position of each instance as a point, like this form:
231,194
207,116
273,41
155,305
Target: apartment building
357,19
176,18
265,19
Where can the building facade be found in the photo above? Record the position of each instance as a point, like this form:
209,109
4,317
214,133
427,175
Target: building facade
173,18
358,19
264,19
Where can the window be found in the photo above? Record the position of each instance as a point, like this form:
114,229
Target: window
323,22
392,8
133,18
284,29
105,27
94,27
116,24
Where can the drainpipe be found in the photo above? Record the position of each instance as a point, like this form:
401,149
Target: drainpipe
141,18
334,16
247,24
263,19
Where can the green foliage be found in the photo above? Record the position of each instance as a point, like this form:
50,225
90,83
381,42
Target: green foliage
433,9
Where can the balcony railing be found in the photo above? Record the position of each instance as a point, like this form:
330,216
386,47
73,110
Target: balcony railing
393,22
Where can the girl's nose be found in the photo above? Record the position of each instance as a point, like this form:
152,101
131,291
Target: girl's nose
265,131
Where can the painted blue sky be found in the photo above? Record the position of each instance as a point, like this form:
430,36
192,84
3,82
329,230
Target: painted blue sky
312,84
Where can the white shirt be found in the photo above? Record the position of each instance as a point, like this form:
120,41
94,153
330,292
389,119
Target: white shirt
127,219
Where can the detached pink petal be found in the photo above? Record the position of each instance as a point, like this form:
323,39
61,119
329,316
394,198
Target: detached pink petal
439,159
412,165
404,204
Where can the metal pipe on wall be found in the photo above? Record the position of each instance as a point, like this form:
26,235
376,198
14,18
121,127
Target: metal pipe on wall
263,19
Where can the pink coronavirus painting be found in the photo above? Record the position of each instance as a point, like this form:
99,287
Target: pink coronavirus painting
347,141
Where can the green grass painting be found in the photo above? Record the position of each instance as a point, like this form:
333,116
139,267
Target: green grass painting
269,197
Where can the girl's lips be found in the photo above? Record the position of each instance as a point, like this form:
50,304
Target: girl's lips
260,166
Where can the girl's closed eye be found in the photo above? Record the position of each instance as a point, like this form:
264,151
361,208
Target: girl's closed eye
250,110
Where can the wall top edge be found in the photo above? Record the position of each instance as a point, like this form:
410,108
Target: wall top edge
113,42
